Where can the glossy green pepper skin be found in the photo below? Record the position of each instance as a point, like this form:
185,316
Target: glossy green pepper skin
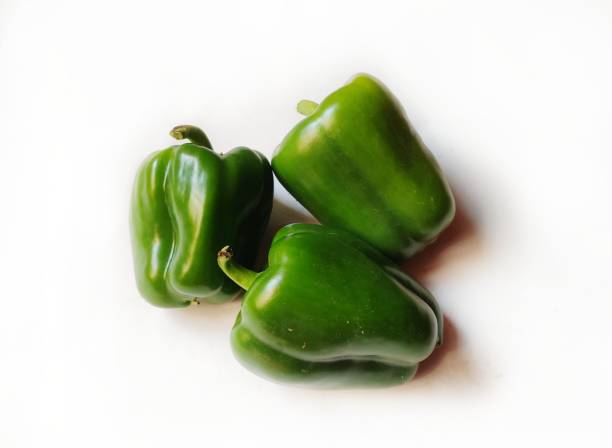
355,163
188,201
330,311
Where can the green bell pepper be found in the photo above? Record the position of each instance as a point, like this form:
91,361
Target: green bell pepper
355,163
187,202
330,311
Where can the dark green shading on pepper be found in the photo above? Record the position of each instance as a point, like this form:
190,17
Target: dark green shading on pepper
330,311
187,201
355,163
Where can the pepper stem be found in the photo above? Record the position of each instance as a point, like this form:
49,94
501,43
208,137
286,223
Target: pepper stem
192,133
307,107
242,276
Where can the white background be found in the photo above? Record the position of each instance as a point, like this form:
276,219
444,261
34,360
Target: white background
515,100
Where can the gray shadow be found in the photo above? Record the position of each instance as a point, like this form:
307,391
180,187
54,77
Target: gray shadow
211,319
461,230
450,360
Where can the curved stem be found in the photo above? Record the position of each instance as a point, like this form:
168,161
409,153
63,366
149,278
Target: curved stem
242,276
192,133
307,107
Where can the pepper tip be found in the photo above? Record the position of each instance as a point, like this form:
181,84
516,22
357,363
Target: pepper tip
177,132
306,107
226,253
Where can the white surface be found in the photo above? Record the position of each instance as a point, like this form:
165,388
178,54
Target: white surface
514,100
